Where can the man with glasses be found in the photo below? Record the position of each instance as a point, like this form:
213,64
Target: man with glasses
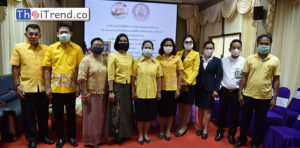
27,72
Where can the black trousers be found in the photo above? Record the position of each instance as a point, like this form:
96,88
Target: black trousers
261,108
34,107
228,98
59,101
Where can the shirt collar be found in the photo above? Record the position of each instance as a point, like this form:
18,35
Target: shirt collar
203,58
29,46
171,57
70,44
143,59
266,58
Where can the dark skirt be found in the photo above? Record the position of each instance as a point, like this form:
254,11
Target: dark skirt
119,118
145,109
189,96
205,99
167,105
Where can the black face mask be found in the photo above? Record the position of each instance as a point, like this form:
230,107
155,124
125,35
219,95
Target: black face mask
97,50
123,46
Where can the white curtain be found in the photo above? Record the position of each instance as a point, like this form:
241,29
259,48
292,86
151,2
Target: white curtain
12,32
286,45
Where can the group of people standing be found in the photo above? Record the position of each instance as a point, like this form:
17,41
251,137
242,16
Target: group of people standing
109,82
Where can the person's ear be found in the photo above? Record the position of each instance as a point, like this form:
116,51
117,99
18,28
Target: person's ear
230,49
25,34
57,34
71,34
40,35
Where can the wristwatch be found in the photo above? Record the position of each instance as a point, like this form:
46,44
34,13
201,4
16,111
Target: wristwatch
16,85
110,90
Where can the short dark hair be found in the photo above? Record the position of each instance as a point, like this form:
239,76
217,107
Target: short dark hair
235,41
147,41
264,36
190,36
208,42
162,44
116,45
63,25
96,39
33,26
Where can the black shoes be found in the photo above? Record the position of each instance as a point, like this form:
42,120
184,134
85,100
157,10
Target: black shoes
141,142
180,134
204,136
32,144
47,140
60,143
199,132
219,136
231,139
147,140
73,141
254,146
160,136
167,138
239,143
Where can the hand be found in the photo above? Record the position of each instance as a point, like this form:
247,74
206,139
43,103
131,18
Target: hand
158,95
241,100
49,93
177,94
111,97
85,99
184,88
133,95
215,94
272,103
20,93
185,84
77,90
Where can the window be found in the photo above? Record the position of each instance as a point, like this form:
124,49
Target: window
222,44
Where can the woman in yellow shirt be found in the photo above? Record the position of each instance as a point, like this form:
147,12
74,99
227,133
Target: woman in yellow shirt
170,86
191,61
146,92
93,79
119,122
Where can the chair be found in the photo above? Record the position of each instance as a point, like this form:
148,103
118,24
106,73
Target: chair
279,136
293,110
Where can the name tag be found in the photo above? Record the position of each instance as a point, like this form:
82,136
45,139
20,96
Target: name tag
238,73
282,102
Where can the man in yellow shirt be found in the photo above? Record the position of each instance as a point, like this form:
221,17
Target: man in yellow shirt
27,72
259,72
61,63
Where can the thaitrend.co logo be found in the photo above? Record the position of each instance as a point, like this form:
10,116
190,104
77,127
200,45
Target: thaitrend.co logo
52,14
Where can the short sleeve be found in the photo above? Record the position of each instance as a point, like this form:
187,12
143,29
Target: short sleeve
134,68
15,57
179,65
79,56
159,71
246,67
277,69
111,67
83,70
47,61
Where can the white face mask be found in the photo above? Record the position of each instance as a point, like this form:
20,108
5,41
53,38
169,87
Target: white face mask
168,49
235,52
208,52
188,46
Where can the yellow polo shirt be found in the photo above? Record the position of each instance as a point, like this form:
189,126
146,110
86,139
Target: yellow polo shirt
64,62
260,75
169,68
119,67
29,59
190,66
146,73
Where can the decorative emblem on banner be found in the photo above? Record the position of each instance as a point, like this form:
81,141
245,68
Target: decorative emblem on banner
119,10
141,11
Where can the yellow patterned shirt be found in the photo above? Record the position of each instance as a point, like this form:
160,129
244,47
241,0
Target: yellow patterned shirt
64,62
169,68
29,59
119,67
146,73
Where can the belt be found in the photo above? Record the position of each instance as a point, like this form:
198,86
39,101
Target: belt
230,90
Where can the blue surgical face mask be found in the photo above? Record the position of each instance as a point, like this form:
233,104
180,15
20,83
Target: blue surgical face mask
64,37
147,52
263,49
